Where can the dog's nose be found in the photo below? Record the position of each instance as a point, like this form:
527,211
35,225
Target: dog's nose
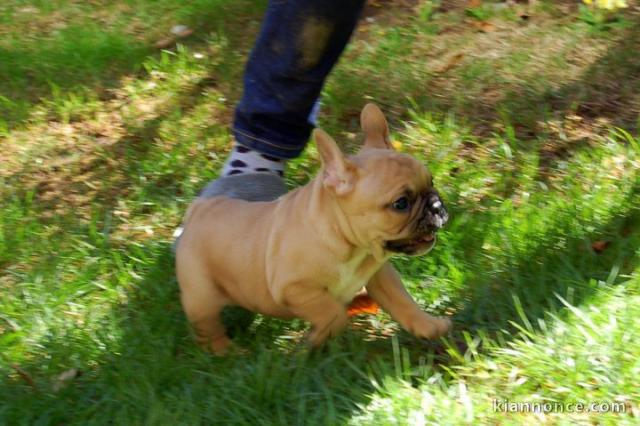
438,211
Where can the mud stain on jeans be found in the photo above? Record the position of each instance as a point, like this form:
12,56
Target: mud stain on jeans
313,41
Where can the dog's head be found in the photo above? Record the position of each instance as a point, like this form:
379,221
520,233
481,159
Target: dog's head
386,198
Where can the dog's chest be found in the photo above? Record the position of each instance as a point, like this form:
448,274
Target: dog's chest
353,275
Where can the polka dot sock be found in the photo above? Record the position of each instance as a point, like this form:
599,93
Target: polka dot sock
246,160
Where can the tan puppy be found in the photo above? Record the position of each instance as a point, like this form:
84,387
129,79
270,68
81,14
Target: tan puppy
308,253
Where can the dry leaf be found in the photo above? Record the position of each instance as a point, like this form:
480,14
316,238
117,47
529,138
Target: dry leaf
181,31
177,31
474,3
65,377
524,16
25,376
599,246
484,26
452,62
165,42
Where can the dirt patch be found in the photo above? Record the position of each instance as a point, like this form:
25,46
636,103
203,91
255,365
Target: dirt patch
313,41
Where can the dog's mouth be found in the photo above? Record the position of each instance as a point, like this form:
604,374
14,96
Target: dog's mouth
433,217
412,246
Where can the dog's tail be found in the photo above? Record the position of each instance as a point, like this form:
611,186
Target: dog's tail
185,221
190,210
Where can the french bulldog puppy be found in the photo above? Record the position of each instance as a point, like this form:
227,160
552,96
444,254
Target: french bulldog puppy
308,253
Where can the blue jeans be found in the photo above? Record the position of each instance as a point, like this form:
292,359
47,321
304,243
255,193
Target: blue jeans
299,43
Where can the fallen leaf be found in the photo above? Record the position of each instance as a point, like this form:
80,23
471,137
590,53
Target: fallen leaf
484,26
177,31
181,31
25,376
524,16
448,29
165,42
474,3
65,377
362,304
28,9
452,62
599,246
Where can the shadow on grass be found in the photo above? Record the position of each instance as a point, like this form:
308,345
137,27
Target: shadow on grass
152,371
90,56
103,174
79,58
155,372
264,386
607,89
574,269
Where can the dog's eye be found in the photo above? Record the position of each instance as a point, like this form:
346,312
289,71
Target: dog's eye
401,204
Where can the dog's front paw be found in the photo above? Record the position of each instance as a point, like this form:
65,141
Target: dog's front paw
426,326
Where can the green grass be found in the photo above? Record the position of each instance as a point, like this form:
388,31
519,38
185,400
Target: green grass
105,141
68,45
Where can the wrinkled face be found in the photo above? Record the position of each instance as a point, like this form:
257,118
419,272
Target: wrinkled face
393,204
387,197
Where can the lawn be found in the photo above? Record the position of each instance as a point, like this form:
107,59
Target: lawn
527,115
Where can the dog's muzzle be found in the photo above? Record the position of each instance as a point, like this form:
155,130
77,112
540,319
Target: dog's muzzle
434,214
432,217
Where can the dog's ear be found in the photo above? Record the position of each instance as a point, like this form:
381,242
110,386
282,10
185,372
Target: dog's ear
338,173
375,128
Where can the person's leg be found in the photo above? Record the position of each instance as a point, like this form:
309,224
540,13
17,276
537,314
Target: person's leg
299,43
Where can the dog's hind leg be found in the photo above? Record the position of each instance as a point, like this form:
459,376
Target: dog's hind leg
203,302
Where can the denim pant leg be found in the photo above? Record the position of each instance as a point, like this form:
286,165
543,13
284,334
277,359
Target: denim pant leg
299,43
